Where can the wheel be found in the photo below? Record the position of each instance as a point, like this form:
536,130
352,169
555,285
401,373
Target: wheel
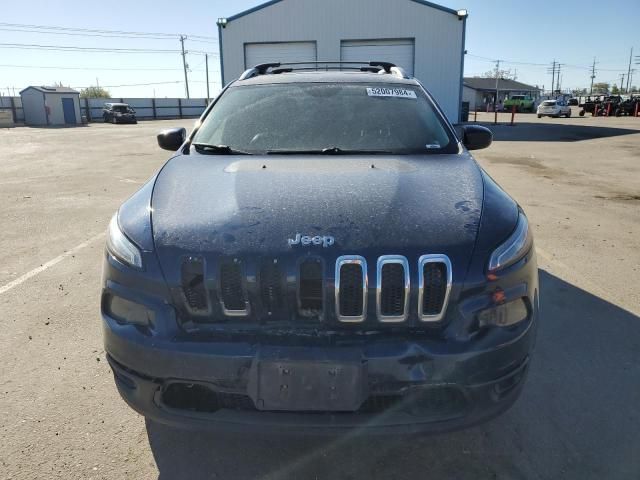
568,114
581,113
539,116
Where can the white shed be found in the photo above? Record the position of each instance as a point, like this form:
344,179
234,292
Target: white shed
426,39
51,106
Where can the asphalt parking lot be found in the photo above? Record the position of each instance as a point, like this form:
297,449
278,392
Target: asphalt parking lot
579,415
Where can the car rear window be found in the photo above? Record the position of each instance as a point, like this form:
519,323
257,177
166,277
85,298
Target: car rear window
316,116
549,103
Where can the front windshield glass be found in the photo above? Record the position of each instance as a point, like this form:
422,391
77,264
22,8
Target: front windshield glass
121,108
313,117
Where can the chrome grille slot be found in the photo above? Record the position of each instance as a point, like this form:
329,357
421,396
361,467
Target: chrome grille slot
310,289
193,288
232,293
435,279
392,293
271,288
351,288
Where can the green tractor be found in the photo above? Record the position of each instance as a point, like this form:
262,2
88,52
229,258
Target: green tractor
523,103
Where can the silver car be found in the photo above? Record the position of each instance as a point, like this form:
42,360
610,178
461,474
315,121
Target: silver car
554,108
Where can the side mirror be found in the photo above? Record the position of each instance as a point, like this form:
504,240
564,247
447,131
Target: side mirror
476,137
172,138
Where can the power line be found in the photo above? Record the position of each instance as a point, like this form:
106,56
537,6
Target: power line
101,31
102,35
150,69
134,84
33,46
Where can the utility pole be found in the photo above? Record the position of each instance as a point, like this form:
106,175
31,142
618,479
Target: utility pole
553,77
184,64
629,71
622,75
495,102
206,67
593,75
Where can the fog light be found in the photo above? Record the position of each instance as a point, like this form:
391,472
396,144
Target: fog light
126,311
504,315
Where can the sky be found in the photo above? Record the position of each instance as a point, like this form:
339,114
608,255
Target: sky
525,36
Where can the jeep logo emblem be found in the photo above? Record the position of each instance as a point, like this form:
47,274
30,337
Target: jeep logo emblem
324,240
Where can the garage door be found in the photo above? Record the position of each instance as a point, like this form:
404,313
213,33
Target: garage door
399,52
257,53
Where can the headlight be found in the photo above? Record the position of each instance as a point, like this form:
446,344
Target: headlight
121,247
516,246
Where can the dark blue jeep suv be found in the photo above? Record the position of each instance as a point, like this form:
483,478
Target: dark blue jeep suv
321,253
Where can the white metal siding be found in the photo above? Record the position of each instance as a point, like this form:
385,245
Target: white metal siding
33,104
54,101
257,53
400,52
437,35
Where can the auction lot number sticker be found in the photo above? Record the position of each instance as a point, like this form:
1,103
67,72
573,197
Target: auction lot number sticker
390,92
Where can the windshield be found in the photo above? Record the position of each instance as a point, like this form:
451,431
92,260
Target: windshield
517,97
313,117
121,108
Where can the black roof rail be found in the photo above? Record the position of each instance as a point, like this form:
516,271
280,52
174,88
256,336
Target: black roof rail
371,66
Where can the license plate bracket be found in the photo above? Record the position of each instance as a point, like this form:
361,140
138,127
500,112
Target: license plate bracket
307,380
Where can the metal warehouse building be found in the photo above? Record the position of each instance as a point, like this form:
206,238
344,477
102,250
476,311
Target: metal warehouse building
426,39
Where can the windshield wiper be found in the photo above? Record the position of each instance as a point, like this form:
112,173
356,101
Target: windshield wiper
218,149
329,151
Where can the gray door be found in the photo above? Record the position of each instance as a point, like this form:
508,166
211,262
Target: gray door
69,110
399,51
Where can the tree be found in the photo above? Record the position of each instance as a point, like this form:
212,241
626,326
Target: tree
506,74
615,90
634,89
601,87
94,92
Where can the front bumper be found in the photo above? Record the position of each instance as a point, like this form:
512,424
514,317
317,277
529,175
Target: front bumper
411,385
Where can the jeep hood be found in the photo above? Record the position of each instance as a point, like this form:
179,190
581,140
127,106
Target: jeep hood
372,205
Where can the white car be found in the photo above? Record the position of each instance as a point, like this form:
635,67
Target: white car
554,108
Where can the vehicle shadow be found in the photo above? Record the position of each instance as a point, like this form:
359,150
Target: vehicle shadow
578,417
553,132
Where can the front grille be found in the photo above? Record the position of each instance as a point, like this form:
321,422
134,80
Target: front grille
435,283
233,296
193,286
393,288
271,288
310,290
276,290
437,402
351,288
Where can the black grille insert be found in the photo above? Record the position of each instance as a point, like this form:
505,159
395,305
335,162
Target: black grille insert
392,289
271,289
193,286
350,300
310,288
231,288
435,287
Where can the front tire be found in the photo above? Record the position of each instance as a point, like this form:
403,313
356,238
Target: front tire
539,116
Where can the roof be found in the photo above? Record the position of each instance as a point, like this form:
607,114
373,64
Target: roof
480,83
44,89
324,76
273,2
117,104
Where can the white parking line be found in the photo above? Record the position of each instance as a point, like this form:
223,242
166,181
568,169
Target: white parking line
49,264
